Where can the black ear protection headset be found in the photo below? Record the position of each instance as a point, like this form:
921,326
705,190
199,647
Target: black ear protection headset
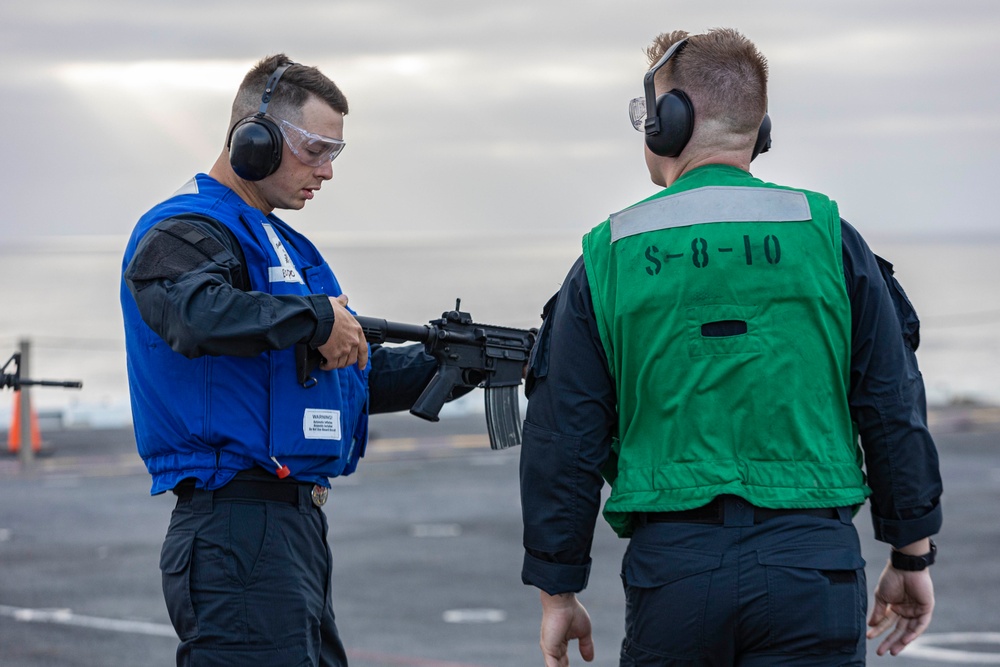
670,117
255,143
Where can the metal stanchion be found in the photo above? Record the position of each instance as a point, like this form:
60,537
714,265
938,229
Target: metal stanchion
26,453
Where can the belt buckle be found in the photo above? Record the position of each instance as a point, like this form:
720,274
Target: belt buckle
319,495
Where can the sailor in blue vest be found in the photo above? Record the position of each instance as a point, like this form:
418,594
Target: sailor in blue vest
217,294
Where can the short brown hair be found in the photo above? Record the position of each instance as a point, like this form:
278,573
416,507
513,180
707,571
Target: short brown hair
721,71
293,89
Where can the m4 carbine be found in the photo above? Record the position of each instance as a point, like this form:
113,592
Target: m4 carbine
15,381
469,354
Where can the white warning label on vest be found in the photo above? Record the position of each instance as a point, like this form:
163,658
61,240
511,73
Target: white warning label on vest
286,273
321,424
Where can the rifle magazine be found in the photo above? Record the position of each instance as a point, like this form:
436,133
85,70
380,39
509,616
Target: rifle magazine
503,417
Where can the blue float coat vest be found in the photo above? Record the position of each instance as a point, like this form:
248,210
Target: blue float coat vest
213,416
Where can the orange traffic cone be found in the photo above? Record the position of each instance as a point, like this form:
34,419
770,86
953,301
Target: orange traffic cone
14,434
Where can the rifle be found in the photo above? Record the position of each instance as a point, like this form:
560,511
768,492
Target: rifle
15,381
469,354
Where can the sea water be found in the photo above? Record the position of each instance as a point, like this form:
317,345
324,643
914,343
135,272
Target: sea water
62,295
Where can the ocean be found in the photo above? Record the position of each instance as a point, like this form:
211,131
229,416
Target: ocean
62,295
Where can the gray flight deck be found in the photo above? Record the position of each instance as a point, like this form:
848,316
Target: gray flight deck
426,544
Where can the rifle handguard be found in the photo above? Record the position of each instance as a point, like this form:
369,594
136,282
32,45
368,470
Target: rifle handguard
378,331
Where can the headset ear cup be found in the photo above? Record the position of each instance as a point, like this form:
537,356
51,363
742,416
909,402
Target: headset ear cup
763,143
255,148
676,115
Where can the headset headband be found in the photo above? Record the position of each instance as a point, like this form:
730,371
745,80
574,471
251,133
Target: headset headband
272,83
652,125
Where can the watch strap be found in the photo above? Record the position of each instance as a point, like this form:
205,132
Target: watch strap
908,563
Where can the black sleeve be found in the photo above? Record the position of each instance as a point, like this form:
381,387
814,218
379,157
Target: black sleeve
568,427
887,399
189,282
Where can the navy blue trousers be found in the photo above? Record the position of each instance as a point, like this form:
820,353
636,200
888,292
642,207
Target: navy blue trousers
789,590
247,582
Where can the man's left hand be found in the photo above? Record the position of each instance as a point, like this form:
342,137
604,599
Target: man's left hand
903,598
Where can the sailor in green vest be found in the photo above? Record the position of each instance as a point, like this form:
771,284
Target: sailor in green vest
734,361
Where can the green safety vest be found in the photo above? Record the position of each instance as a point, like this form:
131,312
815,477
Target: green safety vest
724,315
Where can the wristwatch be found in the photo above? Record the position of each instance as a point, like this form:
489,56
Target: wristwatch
907,563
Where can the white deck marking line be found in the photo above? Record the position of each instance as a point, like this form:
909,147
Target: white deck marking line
926,647
67,617
474,616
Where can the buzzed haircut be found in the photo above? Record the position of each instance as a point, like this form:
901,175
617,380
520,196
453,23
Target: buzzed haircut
293,89
721,71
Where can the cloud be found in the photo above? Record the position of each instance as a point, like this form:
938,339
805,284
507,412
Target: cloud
477,116
154,77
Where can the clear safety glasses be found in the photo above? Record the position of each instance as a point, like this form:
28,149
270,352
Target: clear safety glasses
637,112
314,150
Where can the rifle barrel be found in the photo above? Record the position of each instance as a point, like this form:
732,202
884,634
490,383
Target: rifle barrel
69,384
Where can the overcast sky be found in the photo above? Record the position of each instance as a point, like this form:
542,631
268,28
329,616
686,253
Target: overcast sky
492,116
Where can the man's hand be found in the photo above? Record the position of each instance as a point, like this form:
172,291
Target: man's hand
903,598
563,619
346,344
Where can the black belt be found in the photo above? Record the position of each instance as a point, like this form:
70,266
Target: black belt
713,513
253,489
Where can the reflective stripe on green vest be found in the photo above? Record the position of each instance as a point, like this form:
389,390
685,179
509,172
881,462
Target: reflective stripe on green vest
724,316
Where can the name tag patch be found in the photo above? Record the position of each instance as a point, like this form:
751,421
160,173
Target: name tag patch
321,424
286,273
